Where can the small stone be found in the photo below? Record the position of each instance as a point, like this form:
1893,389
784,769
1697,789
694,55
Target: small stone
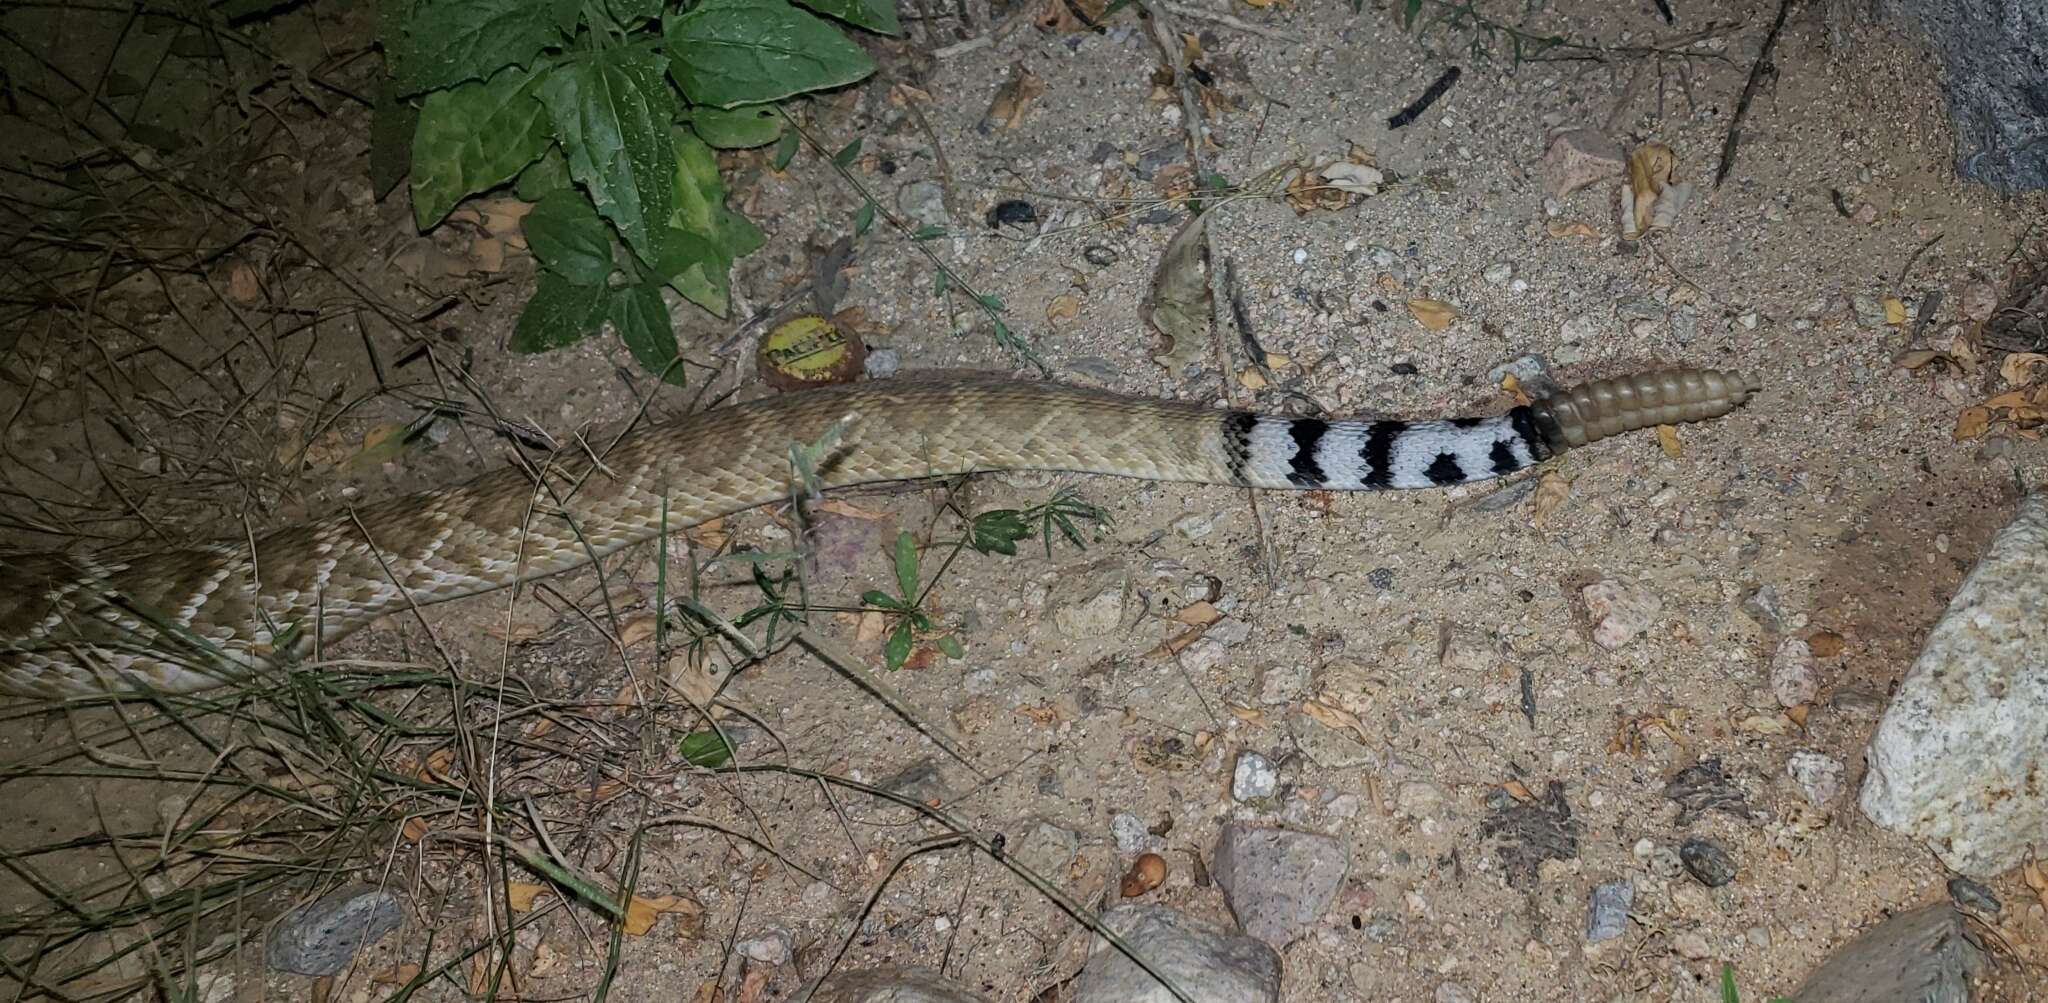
1923,955
894,985
771,948
883,363
1499,273
1130,832
1690,946
923,201
1099,256
1531,373
322,936
1819,777
1095,617
1383,258
1577,158
1620,612
1451,992
1685,325
1381,579
1865,214
1762,606
1278,882
1869,312
1300,255
1577,329
1418,798
1195,525
1047,849
1607,911
1707,862
1973,896
1204,654
1205,960
1792,673
1254,779
1979,300
1748,319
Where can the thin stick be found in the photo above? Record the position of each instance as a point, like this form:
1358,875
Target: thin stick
1756,75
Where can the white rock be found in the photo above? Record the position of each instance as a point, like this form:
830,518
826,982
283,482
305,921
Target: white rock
1819,777
1793,679
1959,758
1254,779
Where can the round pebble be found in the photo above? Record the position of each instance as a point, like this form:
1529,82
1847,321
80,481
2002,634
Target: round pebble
1706,861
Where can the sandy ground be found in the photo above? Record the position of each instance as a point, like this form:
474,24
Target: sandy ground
1423,615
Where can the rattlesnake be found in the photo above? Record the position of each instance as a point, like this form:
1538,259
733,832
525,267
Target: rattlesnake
183,620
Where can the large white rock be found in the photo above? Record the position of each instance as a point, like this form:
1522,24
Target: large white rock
1960,760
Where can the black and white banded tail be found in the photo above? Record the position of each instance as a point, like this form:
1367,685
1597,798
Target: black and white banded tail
1266,451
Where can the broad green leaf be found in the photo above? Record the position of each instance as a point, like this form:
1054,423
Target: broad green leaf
744,127
848,153
569,238
929,231
864,218
997,531
696,268
874,15
641,318
1408,13
445,42
632,12
548,174
705,748
897,650
906,565
474,137
560,313
881,600
732,52
951,646
611,113
785,149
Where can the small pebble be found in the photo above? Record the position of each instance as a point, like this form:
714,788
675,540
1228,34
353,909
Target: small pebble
1099,256
322,936
1499,273
1254,779
1301,255
1706,861
1129,831
1793,679
1690,946
1973,896
1380,578
1819,777
883,363
775,947
1451,992
1607,911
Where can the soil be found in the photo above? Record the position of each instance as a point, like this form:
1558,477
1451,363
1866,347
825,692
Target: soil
250,388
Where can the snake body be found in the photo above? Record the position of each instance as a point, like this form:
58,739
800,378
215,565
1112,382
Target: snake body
187,619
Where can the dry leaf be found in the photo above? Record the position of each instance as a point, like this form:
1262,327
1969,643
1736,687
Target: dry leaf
1797,713
1433,315
1178,304
545,960
637,628
2018,369
414,829
1894,311
243,285
1355,179
1824,643
1916,358
1336,718
642,912
1649,175
1199,613
871,626
521,894
1015,97
405,971
1517,791
1551,492
1252,379
1972,422
850,510
1561,229
1065,306
1173,645
1071,15
1043,715
1766,724
1245,713
1274,360
1667,439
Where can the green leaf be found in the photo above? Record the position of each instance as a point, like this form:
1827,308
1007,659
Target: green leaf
864,218
848,153
741,128
785,150
881,600
1728,994
548,174
733,52
874,15
897,650
611,113
997,531
570,240
474,137
939,282
929,231
992,302
560,313
1408,13
695,268
906,565
641,317
631,12
705,748
446,42
951,646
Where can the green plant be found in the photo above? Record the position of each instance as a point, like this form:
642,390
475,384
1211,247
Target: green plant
605,114
908,607
1728,993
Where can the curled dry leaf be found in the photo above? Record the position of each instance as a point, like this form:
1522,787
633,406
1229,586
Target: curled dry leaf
520,895
1178,304
2022,368
1015,97
643,911
1433,315
1064,307
1336,718
1560,229
1972,422
1650,171
1145,874
1252,379
1199,613
1357,179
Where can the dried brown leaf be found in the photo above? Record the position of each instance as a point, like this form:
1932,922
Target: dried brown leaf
1178,304
1433,315
520,895
1017,94
2021,368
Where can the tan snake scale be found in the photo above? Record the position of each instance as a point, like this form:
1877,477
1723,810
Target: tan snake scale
181,620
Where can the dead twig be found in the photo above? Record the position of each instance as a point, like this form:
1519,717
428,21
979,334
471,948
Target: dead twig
1757,72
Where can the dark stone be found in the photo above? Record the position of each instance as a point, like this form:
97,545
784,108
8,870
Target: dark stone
1704,859
1996,54
320,937
1973,896
1012,211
